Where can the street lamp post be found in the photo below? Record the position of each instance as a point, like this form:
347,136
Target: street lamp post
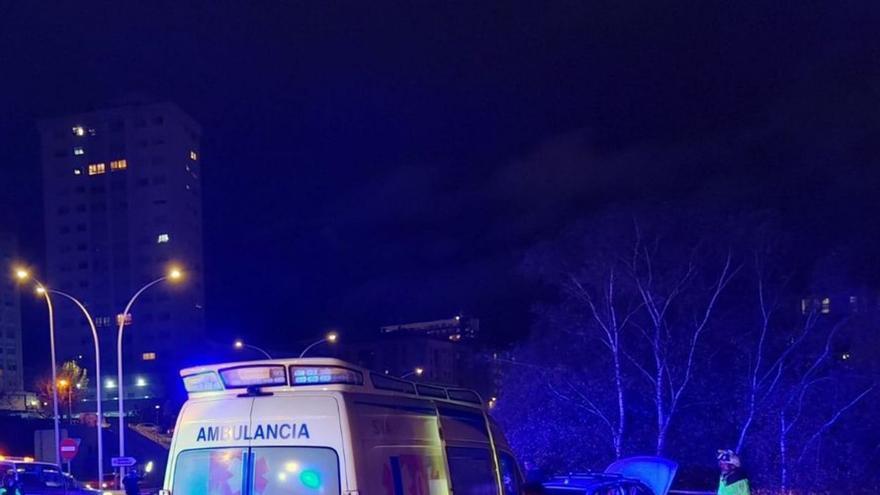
23,275
174,274
239,344
330,337
98,401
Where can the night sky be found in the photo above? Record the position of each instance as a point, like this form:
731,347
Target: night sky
371,162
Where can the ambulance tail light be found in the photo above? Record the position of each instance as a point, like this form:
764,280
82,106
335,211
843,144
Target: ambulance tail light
324,375
254,376
207,381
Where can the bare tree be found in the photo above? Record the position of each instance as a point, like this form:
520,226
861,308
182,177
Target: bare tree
609,315
768,364
679,309
804,381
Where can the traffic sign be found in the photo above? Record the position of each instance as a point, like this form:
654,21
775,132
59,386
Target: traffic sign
69,448
123,461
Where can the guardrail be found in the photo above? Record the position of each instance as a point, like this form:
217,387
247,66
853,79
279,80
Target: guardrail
155,436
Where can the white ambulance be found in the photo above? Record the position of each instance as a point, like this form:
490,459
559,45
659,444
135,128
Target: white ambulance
319,426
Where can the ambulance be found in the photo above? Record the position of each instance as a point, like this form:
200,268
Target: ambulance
320,426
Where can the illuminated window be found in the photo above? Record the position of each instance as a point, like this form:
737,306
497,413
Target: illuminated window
118,164
148,356
77,171
163,238
826,306
96,168
79,151
193,155
78,131
127,319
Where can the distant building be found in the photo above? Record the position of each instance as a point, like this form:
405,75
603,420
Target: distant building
454,328
446,351
849,302
122,188
11,379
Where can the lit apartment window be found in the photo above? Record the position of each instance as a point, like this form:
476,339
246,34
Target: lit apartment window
78,131
193,155
826,306
96,168
118,164
127,319
79,151
163,238
148,356
77,171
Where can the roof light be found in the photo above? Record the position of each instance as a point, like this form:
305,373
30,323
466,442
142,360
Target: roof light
253,376
322,375
202,382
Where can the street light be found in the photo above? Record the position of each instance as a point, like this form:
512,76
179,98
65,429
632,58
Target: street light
239,344
174,275
22,274
64,384
418,370
98,400
331,337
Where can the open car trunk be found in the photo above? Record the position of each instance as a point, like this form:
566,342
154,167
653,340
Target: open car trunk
655,472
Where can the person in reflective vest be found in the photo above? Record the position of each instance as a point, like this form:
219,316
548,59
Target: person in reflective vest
733,478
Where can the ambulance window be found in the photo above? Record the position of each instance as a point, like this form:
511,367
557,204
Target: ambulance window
471,471
209,472
295,471
510,480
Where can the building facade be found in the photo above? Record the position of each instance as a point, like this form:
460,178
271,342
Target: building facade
446,351
455,328
11,376
122,196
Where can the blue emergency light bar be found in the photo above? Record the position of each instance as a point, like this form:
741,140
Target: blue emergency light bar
254,376
323,375
207,381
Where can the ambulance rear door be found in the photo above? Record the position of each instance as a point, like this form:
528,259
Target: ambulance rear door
210,449
297,445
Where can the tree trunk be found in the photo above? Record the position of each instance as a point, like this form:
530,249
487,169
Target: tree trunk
783,471
621,409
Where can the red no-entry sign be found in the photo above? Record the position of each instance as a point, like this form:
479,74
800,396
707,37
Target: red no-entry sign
69,448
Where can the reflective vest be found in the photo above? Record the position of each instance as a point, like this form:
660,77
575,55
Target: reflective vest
734,483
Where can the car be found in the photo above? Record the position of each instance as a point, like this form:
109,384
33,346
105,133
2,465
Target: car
106,486
42,478
595,484
643,475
